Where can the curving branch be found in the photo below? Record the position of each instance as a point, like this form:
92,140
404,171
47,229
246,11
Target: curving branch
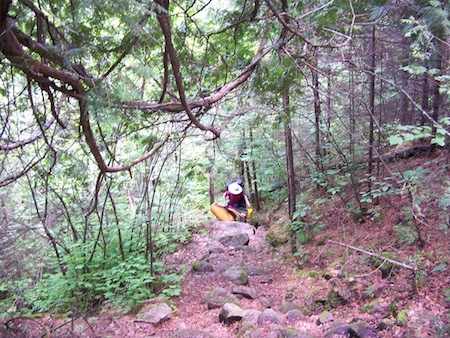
164,22
177,106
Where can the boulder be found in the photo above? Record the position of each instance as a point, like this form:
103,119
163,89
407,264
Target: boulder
156,314
218,298
356,330
269,316
231,313
202,266
325,317
292,333
245,292
237,275
235,240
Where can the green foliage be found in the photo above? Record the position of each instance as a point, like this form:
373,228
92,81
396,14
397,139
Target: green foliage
405,231
88,284
306,223
406,134
379,189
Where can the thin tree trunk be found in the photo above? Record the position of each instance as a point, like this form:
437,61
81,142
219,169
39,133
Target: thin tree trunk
212,174
425,105
317,116
255,195
405,117
371,108
289,158
352,118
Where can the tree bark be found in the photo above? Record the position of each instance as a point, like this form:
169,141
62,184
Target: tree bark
290,171
317,115
371,107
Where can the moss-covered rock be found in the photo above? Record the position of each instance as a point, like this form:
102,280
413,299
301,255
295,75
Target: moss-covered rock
338,296
325,317
402,319
278,234
202,266
385,267
373,307
237,275
312,274
218,297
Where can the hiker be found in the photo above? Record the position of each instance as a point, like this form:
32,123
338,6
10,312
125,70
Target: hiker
238,207
238,199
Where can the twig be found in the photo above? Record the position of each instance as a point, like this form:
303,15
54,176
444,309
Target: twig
412,268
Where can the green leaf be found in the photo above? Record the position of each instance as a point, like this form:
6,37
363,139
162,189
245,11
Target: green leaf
414,69
439,140
408,137
395,140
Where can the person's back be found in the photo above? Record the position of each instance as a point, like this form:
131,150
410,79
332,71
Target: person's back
236,195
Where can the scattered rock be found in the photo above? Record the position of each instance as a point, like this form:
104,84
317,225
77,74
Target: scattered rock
231,313
216,250
292,333
202,266
338,296
285,308
235,240
360,330
237,275
385,324
269,316
245,292
266,302
218,298
251,316
325,317
402,319
355,330
375,306
156,314
295,315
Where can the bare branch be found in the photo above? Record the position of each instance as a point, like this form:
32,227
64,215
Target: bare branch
412,268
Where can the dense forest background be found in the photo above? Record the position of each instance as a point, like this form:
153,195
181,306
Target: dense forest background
121,122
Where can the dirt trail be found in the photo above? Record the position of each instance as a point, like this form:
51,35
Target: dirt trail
273,279
268,276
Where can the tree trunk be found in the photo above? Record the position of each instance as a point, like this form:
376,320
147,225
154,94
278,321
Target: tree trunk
371,108
255,195
317,116
352,113
212,175
405,117
290,171
425,105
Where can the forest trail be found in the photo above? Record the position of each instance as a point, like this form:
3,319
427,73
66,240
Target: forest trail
268,276
338,294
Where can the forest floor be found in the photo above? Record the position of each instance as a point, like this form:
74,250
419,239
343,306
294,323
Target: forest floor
307,277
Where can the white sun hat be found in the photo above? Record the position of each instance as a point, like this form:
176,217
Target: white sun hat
235,188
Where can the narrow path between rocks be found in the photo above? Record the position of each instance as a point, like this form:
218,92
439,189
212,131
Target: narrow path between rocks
220,258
